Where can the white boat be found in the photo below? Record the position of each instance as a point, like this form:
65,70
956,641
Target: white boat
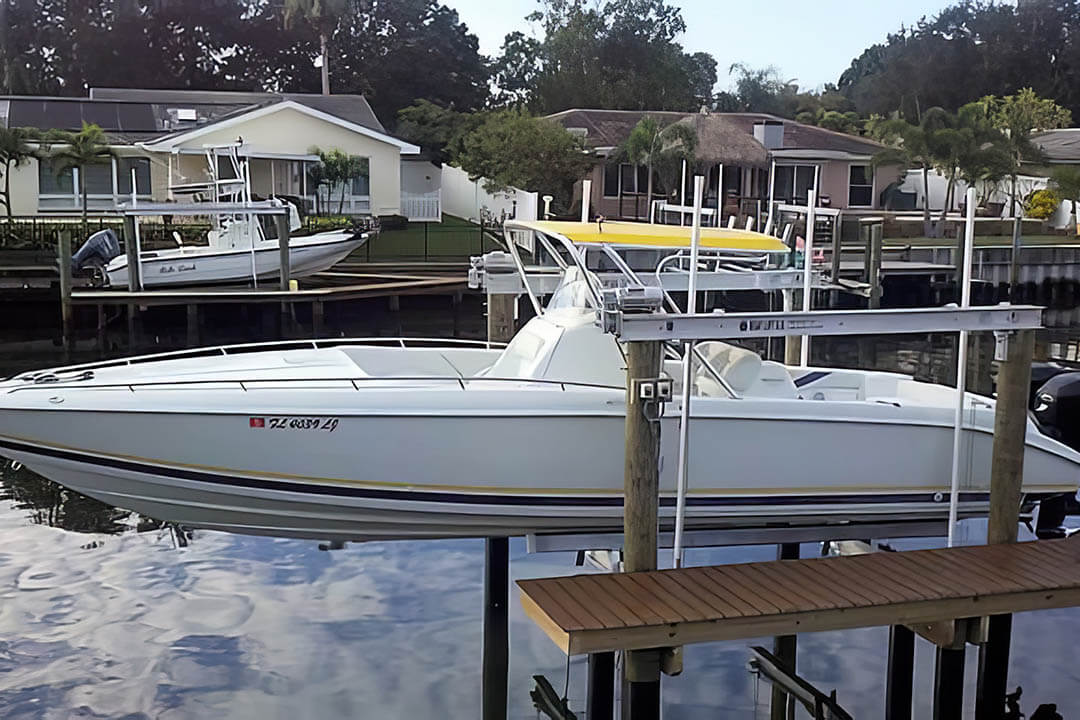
236,253
237,248
357,440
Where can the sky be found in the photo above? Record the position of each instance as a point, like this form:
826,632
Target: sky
810,41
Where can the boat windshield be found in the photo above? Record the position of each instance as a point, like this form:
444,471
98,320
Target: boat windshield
572,292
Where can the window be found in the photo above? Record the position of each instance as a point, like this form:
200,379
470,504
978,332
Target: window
50,182
611,180
124,167
793,182
860,186
627,179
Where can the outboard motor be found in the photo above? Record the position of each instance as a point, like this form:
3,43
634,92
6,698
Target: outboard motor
1057,410
97,251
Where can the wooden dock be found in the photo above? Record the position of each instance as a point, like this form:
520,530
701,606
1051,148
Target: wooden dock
631,611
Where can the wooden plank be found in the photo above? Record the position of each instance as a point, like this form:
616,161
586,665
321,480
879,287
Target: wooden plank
801,597
593,601
760,604
698,576
822,620
552,606
680,611
719,605
640,602
865,593
600,592
811,585
551,628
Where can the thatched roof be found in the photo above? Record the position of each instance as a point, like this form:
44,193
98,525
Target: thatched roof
721,141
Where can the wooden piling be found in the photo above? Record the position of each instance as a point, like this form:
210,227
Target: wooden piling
282,223
877,232
318,315
101,334
641,479
67,327
1006,480
1014,260
496,658
131,249
899,681
500,317
785,647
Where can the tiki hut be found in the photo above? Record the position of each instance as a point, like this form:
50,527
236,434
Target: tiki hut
734,163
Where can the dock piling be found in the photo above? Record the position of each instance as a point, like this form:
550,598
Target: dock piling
949,684
1014,353
500,316
641,480
192,325
785,647
67,329
901,673
600,701
496,659
876,234
131,249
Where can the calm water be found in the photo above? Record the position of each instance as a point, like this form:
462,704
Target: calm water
104,614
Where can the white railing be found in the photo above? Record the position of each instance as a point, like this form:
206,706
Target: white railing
422,206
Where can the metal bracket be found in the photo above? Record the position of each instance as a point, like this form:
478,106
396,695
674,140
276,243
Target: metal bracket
1001,344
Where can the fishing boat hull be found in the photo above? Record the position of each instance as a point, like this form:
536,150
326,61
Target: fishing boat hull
203,265
490,458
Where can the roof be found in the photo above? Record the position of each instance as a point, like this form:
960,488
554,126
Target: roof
610,128
722,141
129,116
1060,146
168,142
630,234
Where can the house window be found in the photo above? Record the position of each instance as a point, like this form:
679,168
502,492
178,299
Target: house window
860,186
611,180
792,183
124,166
54,182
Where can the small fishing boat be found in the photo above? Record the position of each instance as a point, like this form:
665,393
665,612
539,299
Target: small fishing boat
360,439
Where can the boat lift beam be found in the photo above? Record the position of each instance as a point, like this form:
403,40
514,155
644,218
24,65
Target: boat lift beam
630,326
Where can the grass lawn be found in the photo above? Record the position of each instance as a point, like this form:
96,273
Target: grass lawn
452,239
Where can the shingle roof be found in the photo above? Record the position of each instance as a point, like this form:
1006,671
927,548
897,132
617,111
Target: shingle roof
1060,146
133,115
610,128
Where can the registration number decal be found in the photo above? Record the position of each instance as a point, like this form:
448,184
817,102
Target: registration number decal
326,424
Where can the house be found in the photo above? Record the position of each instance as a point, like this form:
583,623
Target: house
162,136
747,159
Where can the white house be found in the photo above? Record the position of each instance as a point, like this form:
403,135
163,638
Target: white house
162,134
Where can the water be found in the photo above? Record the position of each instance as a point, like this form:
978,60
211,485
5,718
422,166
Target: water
105,614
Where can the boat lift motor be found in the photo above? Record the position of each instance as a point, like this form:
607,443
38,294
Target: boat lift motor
495,263
630,300
1057,411
97,251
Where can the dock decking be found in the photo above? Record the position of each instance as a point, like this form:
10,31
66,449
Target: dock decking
626,611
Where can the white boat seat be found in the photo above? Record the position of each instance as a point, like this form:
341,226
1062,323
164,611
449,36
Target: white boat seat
744,371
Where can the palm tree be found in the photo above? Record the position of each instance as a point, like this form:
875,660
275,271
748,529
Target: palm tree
78,150
323,15
909,149
15,150
656,146
1065,179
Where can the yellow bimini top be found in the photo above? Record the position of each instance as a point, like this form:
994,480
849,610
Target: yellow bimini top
645,235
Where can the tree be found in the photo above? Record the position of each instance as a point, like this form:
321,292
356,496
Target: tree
338,169
514,149
907,147
78,150
1018,116
658,147
324,16
15,150
437,130
763,90
621,55
1065,180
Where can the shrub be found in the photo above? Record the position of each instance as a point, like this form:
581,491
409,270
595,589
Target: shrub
1041,204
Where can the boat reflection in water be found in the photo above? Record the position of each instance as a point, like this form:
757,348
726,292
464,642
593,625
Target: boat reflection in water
46,503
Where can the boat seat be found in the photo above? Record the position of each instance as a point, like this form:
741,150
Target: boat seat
744,371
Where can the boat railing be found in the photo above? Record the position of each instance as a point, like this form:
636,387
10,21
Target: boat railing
246,384
241,348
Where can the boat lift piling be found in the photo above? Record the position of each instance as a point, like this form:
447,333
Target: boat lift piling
67,324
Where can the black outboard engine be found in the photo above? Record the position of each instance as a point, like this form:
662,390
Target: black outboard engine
97,251
1056,408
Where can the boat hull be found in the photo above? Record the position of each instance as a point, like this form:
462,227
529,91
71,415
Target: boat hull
410,473
205,266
